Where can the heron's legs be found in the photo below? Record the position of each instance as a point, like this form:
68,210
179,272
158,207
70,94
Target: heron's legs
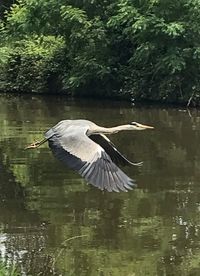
36,144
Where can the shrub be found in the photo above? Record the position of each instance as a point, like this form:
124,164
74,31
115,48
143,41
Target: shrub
34,64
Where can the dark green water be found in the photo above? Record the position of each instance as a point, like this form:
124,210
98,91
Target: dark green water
53,223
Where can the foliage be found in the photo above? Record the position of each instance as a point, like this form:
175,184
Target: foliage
33,65
5,5
86,47
8,271
142,49
163,64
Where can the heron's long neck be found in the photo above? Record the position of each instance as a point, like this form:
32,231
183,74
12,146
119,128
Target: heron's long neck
112,130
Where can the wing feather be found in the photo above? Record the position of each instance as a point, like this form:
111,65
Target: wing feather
109,179
111,150
89,159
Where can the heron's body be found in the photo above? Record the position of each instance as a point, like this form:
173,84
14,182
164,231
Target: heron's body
83,146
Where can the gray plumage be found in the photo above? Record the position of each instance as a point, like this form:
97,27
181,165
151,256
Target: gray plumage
83,146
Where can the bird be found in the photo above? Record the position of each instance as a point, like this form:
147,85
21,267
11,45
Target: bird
84,147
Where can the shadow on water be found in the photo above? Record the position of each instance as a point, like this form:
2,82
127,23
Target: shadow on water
52,223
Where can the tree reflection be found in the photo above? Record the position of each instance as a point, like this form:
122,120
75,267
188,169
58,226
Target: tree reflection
153,230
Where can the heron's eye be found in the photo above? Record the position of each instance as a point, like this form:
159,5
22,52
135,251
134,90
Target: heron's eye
133,123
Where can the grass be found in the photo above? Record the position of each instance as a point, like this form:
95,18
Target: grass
8,271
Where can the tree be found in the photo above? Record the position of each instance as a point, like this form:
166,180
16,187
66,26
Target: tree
139,49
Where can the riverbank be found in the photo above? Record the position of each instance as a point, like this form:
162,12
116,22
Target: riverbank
136,51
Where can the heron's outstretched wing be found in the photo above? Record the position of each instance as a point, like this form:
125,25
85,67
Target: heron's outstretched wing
111,150
89,159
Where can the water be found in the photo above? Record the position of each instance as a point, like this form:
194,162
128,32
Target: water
53,223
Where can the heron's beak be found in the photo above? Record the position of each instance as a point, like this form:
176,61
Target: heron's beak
145,126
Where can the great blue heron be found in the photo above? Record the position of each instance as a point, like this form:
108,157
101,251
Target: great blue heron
83,146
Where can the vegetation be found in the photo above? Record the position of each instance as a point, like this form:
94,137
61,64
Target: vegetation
144,50
8,271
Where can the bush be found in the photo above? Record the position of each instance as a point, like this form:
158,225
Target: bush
35,64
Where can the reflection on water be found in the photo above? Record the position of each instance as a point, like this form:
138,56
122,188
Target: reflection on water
52,223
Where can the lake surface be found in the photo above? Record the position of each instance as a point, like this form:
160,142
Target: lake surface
53,223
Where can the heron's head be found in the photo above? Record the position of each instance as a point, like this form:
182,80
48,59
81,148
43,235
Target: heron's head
137,126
